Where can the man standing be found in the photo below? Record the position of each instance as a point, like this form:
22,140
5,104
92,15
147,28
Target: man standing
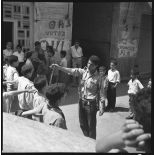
89,94
77,54
8,51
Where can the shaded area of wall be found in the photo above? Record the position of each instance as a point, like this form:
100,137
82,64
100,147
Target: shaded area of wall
92,24
126,36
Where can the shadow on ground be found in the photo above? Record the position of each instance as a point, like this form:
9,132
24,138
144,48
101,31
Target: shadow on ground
121,109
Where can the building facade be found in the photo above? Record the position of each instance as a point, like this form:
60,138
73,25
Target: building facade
109,30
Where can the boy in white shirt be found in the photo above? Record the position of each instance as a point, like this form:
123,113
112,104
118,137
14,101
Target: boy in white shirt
23,82
114,80
134,87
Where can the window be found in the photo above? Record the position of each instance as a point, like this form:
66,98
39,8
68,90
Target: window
19,24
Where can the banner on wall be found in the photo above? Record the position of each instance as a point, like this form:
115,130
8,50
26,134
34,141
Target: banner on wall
53,24
127,49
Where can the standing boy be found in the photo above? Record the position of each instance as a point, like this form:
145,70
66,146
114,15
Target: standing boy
114,80
89,92
134,87
103,86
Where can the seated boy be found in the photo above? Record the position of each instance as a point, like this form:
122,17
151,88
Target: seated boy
134,133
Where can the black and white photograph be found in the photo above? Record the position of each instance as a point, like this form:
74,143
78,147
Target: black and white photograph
77,77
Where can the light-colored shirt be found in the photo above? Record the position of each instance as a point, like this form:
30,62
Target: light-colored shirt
113,76
134,86
25,99
39,99
19,55
7,52
5,67
11,75
29,64
89,84
63,62
76,53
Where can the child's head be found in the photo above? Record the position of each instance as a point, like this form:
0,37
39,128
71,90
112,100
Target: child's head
142,109
19,48
102,70
28,55
62,54
9,45
54,94
37,45
13,61
26,71
40,83
50,51
113,64
134,73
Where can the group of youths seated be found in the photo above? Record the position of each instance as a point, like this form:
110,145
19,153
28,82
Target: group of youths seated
31,81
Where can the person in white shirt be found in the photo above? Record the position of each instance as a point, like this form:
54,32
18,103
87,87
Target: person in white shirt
8,51
114,80
77,54
20,54
23,82
134,87
11,75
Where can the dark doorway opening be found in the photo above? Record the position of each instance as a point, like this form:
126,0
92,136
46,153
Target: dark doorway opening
7,33
92,26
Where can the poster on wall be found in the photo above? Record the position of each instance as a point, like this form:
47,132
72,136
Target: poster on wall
53,25
128,31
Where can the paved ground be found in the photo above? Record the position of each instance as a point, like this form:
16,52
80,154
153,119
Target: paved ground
107,123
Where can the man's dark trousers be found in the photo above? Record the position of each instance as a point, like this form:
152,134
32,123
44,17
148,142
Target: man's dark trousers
111,96
87,118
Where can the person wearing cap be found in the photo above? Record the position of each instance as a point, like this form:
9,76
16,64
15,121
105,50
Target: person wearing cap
89,94
76,54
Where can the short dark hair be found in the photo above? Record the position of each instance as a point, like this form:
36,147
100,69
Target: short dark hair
28,55
102,67
12,59
26,70
53,94
63,53
114,61
40,83
142,108
37,43
134,72
95,60
19,46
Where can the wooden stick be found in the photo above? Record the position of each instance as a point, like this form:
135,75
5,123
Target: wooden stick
52,76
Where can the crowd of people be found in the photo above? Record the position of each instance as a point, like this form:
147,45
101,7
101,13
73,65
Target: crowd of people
37,82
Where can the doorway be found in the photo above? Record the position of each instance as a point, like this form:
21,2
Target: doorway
7,33
92,26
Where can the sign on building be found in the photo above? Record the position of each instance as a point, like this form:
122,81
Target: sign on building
53,24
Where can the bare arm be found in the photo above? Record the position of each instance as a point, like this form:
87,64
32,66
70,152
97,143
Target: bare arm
11,82
33,111
16,92
66,70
